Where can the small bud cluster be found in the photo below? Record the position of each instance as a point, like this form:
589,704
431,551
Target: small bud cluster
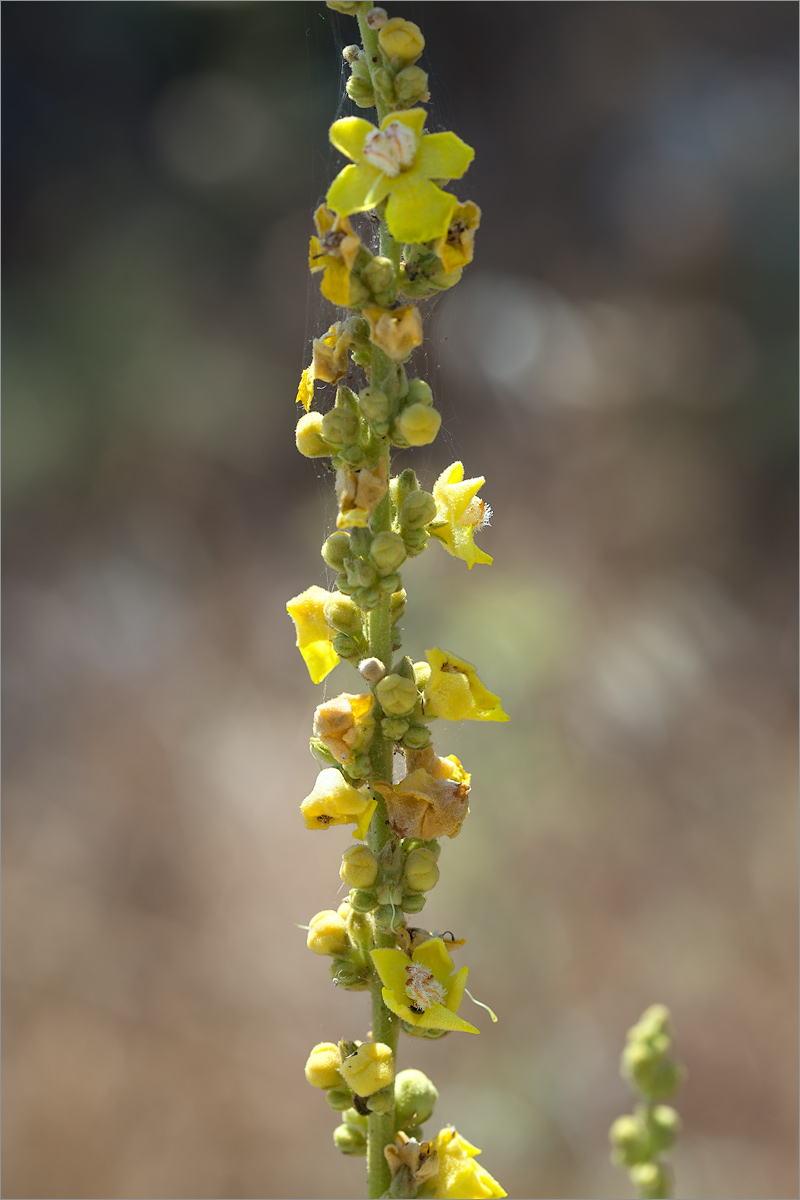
396,80
639,1140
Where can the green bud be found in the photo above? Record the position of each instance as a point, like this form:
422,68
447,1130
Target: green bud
413,902
359,768
350,456
653,1020
367,598
343,615
309,438
388,552
347,975
379,274
345,646
402,486
393,728
419,392
362,901
349,1140
411,85
390,893
345,586
417,425
388,584
339,1099
416,540
398,605
421,873
664,1125
359,572
354,1119
380,1102
340,426
384,84
630,1141
335,550
419,508
374,404
395,384
322,753
359,867
417,738
414,1098
388,918
397,696
420,1032
651,1180
360,91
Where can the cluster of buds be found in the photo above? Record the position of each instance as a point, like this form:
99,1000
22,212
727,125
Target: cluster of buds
384,720
639,1140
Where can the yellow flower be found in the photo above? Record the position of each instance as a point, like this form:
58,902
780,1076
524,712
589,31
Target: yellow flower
456,247
334,802
359,493
313,632
328,363
396,332
421,989
460,1177
454,692
346,725
397,161
369,1068
333,251
432,800
459,514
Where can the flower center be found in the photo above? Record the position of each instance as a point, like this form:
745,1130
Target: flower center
392,149
422,988
478,515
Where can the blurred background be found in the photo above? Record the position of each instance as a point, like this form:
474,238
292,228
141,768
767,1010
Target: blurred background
620,363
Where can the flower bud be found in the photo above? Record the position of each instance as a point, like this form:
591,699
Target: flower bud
398,604
351,54
345,646
371,669
413,902
343,615
381,1102
414,1098
421,873
339,1099
388,918
359,867
387,552
418,425
378,275
393,728
384,84
401,39
361,93
411,86
322,1067
349,1140
419,392
363,902
374,404
664,1125
355,1119
419,508
651,1180
630,1141
369,1069
335,550
345,6
377,18
397,696
416,540
389,583
359,572
390,893
340,426
308,436
349,975
417,737
327,934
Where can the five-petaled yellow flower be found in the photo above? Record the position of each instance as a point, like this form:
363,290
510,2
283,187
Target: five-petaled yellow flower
454,692
334,251
422,989
398,161
334,802
459,1176
460,512
313,632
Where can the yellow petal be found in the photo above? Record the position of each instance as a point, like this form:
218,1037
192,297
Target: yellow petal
305,392
313,632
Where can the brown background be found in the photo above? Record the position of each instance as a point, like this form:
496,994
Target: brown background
620,363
